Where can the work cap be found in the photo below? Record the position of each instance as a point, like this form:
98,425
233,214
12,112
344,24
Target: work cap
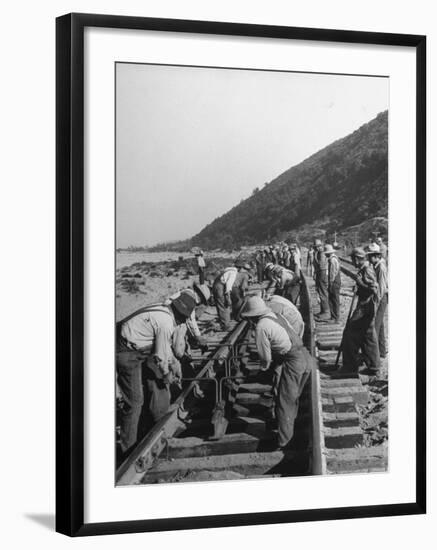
269,265
247,267
317,242
378,239
203,292
373,248
184,304
254,307
358,253
329,249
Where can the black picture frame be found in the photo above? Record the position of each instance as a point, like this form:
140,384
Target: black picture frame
70,273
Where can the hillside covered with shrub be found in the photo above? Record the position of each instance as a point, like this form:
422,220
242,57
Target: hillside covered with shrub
342,185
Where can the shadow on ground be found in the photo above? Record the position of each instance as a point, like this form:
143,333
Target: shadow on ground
46,520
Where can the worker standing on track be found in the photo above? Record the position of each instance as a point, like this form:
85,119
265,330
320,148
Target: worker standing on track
281,351
383,248
321,279
310,261
150,343
286,257
334,282
260,265
359,332
279,304
229,290
374,254
201,267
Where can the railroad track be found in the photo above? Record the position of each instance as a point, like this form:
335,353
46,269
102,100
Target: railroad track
225,431
340,435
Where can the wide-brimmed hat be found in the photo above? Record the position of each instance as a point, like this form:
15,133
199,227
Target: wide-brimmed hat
358,252
184,304
329,249
203,292
269,265
239,262
373,248
254,307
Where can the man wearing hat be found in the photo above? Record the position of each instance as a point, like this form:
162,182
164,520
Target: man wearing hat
281,352
374,255
382,247
320,264
150,343
334,282
200,266
228,290
359,332
201,295
260,260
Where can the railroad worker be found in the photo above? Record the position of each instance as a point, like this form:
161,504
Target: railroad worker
295,261
334,282
383,248
280,305
201,294
222,290
149,347
281,352
321,278
260,261
240,287
375,258
310,261
285,282
359,332
286,257
201,266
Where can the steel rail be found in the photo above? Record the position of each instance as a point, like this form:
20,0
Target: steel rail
318,459
150,447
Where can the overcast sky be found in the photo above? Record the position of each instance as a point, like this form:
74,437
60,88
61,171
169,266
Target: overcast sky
192,142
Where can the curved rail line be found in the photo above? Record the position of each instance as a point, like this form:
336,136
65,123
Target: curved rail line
226,432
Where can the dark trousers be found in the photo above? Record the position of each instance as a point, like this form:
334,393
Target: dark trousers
334,300
201,275
380,326
289,380
292,291
322,291
260,272
223,310
129,379
359,333
237,299
157,396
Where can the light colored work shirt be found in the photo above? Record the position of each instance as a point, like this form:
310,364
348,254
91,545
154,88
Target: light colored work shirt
271,338
228,278
382,278
279,304
333,268
156,330
200,261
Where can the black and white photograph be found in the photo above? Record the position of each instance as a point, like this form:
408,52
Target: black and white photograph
251,274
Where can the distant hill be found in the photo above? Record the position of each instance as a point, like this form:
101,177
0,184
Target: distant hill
343,185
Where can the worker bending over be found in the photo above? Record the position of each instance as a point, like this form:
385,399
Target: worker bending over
359,332
150,343
281,351
229,289
283,306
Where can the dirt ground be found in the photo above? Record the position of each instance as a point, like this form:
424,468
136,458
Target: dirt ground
145,283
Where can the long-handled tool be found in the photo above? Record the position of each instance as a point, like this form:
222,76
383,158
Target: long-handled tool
351,310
